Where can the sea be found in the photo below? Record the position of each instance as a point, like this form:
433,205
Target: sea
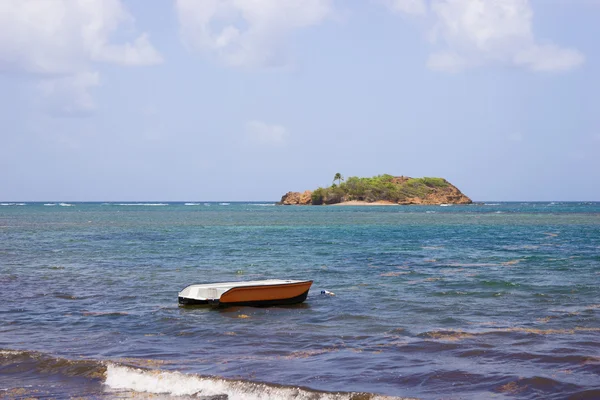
492,300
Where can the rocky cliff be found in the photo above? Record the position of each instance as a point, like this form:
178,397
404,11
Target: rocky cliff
445,195
296,198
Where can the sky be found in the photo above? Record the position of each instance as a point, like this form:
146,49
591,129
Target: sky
245,100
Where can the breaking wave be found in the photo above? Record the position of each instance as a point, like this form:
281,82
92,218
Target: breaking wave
133,381
179,384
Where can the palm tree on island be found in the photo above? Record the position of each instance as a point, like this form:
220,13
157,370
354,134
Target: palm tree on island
338,177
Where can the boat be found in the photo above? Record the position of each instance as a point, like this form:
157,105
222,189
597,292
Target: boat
270,292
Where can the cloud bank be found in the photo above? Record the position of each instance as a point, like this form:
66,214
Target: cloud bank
474,33
246,33
59,41
465,33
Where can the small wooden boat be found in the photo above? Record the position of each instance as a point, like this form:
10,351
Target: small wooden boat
269,292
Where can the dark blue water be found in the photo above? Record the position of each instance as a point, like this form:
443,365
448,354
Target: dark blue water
499,300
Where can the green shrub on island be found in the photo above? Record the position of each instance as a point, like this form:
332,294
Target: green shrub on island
381,188
378,188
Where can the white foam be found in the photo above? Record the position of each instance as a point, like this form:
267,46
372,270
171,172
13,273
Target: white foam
263,205
143,204
12,204
191,204
174,383
12,352
492,204
65,205
50,204
224,204
179,384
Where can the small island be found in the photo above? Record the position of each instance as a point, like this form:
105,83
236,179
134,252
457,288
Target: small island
380,190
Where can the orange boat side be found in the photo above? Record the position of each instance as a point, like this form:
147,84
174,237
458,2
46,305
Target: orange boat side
246,294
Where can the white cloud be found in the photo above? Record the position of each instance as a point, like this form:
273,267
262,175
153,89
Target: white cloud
414,7
140,52
59,41
480,32
263,133
246,32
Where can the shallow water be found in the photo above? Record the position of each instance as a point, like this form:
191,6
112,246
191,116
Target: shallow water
498,300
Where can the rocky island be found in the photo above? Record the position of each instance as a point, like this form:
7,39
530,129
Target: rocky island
380,190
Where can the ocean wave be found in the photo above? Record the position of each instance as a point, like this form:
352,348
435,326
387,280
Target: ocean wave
224,204
136,380
49,204
262,204
13,204
191,204
26,362
65,205
179,384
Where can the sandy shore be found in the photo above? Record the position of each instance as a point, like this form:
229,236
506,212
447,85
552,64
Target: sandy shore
365,203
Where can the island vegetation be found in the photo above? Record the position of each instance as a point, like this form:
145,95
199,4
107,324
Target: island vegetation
380,189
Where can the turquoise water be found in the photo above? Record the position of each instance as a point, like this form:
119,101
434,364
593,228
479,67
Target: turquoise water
498,300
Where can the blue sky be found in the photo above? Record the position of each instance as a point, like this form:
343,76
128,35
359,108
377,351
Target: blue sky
113,100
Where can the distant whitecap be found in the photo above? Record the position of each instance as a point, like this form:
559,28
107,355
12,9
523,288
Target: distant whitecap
143,204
